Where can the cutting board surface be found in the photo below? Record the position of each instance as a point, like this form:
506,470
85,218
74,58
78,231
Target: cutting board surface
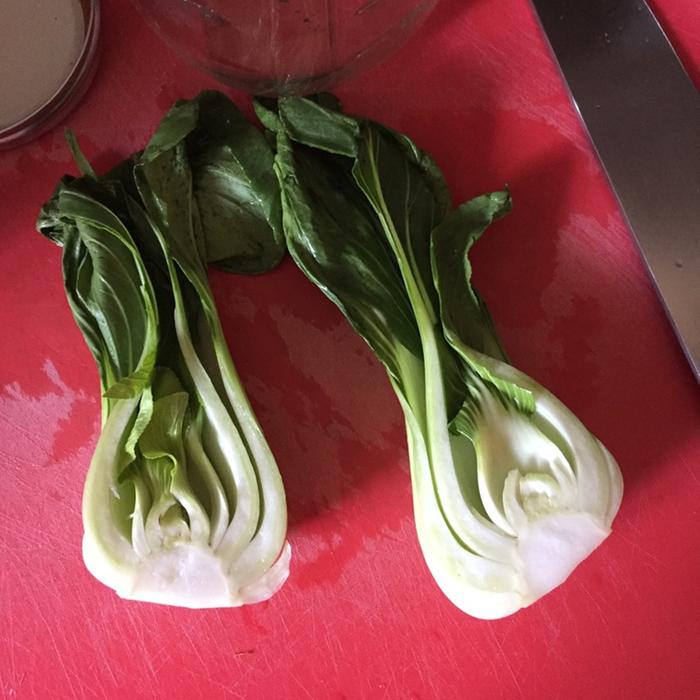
360,616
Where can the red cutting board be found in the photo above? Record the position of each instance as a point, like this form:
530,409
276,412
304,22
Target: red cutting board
360,617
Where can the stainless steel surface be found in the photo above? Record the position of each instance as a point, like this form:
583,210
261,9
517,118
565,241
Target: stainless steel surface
643,115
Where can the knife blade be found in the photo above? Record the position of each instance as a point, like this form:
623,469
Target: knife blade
642,113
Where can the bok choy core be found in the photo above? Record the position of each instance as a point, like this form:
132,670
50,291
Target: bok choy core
183,503
511,491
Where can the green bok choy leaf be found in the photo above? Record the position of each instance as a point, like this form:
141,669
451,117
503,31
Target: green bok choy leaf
183,503
511,491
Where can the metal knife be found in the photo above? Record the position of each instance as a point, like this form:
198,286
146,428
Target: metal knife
643,115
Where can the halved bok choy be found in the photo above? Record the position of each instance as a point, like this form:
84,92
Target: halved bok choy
183,503
510,490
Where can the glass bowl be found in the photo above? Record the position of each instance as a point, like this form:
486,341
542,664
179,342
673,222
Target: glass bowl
282,47
48,91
